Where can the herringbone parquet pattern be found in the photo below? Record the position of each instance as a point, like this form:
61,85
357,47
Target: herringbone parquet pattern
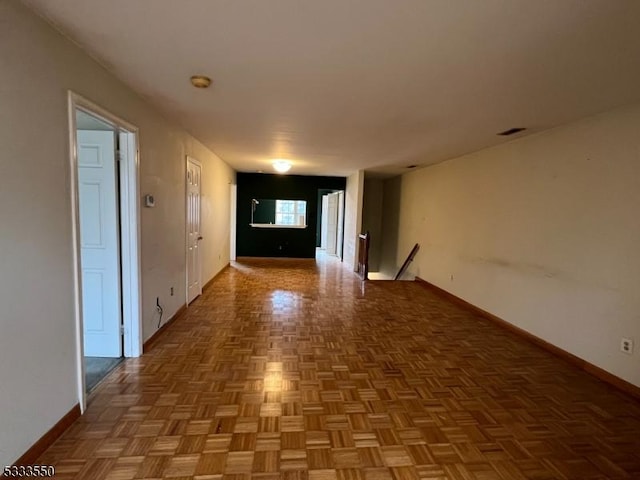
295,370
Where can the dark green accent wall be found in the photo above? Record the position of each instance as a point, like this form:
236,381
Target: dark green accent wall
279,242
265,211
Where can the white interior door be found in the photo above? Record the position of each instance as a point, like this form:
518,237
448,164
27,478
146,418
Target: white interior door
99,234
323,222
340,224
194,178
332,223
232,221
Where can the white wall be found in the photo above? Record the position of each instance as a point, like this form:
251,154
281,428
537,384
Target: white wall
542,232
217,178
38,370
353,217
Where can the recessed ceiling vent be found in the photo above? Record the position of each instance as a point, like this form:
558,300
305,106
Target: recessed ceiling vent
512,131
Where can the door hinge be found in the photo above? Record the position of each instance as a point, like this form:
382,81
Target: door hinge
119,156
121,329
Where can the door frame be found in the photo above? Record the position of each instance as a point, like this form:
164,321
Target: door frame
189,158
129,211
331,195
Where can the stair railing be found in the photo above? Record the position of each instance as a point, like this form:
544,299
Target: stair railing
363,255
409,259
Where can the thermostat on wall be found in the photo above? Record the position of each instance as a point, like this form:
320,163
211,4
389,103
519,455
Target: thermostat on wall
149,201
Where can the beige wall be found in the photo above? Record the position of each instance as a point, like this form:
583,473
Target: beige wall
372,219
37,327
389,265
352,217
542,232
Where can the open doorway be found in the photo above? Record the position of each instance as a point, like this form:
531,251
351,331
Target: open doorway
99,220
331,222
104,172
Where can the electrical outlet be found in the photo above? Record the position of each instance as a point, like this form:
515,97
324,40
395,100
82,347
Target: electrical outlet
626,346
172,291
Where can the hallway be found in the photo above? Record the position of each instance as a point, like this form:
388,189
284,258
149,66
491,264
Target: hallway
294,369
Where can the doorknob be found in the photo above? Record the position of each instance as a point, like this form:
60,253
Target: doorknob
200,238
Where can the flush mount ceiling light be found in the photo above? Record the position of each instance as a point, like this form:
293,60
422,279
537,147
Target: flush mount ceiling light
281,166
200,81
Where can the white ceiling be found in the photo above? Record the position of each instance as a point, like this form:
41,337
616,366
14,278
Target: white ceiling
341,85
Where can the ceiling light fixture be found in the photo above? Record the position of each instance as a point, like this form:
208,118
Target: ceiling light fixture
200,81
281,166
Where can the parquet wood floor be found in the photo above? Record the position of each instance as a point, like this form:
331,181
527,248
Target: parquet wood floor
294,370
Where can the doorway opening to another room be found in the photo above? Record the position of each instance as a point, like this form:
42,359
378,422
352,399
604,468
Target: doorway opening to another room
105,212
330,239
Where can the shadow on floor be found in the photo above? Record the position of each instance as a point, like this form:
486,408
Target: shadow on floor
96,368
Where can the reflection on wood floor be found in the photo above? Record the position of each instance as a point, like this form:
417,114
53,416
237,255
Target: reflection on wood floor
294,369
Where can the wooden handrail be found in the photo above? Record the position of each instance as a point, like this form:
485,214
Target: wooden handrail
363,255
409,259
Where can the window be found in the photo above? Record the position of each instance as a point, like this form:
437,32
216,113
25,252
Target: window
272,213
291,212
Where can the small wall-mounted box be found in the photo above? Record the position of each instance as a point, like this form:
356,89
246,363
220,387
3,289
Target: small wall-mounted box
149,201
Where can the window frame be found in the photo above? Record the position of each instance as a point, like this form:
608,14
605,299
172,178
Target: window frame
291,210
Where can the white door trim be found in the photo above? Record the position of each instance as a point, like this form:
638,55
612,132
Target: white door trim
130,231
